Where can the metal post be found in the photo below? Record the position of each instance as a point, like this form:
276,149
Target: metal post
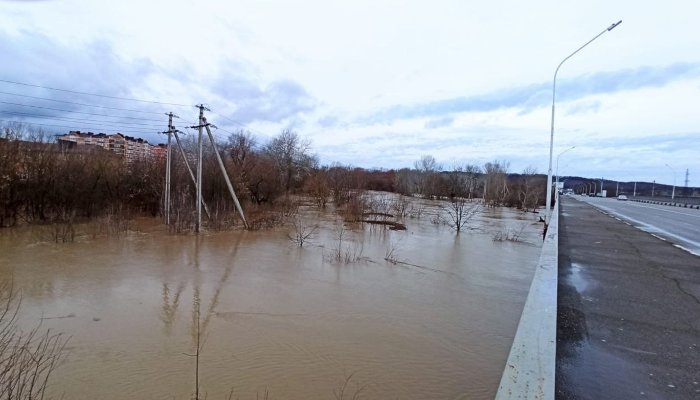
551,137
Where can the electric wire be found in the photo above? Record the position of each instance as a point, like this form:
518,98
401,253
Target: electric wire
82,104
76,112
68,119
94,94
68,127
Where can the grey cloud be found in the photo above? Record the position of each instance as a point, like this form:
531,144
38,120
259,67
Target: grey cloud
583,107
279,101
439,122
329,121
537,95
36,59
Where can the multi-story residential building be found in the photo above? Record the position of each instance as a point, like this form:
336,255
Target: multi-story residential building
128,147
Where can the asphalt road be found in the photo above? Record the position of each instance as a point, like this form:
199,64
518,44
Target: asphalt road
628,311
680,226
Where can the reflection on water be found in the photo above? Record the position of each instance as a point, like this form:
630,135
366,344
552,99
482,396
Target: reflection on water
437,324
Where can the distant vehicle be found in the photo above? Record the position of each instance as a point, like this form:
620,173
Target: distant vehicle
622,197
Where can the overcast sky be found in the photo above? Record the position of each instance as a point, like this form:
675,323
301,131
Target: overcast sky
378,83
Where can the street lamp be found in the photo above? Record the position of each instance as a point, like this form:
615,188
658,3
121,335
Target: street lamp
548,213
559,155
673,192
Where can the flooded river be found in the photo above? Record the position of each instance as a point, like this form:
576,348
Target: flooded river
275,317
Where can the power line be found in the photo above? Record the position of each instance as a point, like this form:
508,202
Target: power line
94,94
78,112
239,123
82,104
70,127
68,119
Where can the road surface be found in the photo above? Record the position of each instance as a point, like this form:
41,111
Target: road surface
628,311
680,226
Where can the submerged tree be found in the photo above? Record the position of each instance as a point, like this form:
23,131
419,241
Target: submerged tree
460,212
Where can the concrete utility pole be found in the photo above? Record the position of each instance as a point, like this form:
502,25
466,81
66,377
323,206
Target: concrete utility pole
199,166
167,168
653,183
223,172
673,192
687,174
634,194
189,169
617,189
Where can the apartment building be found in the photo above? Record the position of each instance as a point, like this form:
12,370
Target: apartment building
128,147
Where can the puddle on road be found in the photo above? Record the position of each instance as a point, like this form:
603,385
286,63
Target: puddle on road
577,279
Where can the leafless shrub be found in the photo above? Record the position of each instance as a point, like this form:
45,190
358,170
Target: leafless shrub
400,206
27,359
416,211
301,231
356,207
510,235
344,392
437,219
391,254
343,253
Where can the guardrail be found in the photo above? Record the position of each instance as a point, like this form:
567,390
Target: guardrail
530,368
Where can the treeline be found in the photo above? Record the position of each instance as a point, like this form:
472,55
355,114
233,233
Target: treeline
41,182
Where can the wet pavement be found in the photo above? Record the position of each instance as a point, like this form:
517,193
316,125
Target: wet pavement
628,323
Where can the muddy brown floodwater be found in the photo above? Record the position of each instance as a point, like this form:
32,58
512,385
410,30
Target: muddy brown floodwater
279,318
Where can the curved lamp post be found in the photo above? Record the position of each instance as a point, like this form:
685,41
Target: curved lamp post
548,213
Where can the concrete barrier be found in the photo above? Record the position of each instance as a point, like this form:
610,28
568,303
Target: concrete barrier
530,368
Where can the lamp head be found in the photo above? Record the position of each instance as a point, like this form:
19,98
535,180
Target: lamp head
611,27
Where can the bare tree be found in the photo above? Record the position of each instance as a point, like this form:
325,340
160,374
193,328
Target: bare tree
27,359
496,182
301,231
460,212
428,179
292,157
531,189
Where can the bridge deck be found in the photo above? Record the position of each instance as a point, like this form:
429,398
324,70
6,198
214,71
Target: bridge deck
628,323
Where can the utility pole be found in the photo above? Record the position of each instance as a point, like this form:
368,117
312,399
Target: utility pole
634,194
617,188
199,166
223,172
167,167
653,183
189,169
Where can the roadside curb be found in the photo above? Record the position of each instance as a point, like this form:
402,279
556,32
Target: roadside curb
530,368
668,203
